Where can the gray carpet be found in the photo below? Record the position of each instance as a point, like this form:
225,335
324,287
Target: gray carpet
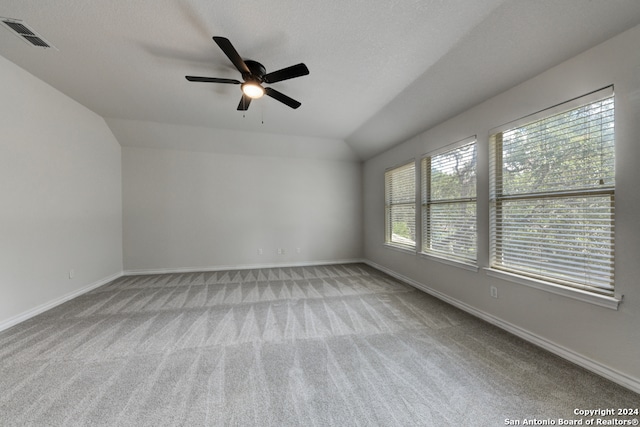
340,345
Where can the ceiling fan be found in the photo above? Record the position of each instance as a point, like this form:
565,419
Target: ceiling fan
254,75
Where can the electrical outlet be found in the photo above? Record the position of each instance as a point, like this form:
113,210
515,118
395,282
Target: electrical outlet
259,251
280,251
298,250
494,292
72,273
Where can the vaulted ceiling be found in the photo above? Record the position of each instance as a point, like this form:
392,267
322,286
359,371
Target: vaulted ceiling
381,71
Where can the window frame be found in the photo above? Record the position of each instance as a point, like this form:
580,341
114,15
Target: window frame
388,208
427,202
585,292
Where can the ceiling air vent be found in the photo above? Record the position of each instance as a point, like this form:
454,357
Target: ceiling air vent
25,33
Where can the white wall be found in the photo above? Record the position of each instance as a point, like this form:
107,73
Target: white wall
60,183
603,339
186,210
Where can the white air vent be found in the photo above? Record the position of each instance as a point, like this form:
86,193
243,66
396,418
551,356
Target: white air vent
27,34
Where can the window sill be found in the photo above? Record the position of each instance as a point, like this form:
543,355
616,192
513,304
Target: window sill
459,264
580,295
404,249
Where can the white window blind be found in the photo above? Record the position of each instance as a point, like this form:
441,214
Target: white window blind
552,196
400,206
449,203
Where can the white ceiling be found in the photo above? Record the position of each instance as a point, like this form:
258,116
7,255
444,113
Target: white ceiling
381,71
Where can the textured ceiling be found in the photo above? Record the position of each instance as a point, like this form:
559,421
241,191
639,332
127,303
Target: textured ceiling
381,71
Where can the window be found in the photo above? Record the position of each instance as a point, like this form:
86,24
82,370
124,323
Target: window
552,195
400,206
449,203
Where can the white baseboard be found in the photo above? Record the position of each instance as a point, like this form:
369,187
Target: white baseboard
617,377
6,324
135,272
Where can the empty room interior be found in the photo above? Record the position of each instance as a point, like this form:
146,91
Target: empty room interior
429,218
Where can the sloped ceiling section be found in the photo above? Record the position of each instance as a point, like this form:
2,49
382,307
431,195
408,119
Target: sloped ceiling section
516,42
146,134
381,71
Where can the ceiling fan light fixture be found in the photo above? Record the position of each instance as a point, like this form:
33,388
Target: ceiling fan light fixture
252,90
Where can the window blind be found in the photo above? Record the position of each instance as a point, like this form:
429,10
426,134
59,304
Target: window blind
449,204
400,208
552,197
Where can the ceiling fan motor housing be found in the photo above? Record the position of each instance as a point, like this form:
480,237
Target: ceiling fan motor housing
257,71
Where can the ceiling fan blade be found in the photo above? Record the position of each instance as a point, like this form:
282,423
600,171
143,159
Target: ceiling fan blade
286,73
244,103
232,54
281,97
211,80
